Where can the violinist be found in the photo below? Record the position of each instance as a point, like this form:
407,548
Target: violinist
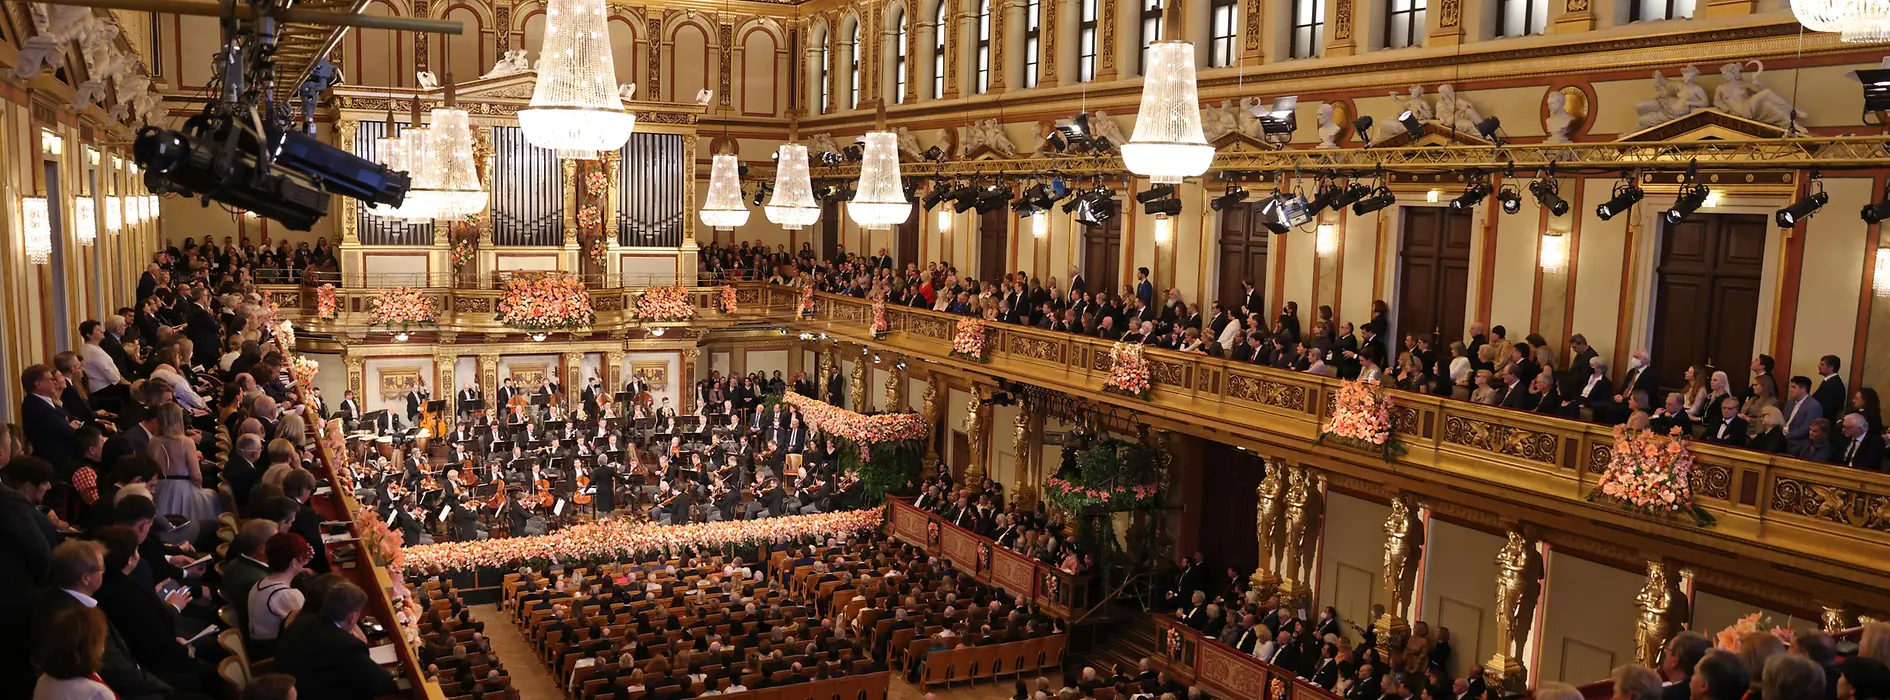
461,433
771,458
818,498
459,454
517,519
466,525
771,499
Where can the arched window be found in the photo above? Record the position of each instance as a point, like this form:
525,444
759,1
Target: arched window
1309,28
1086,42
1151,31
820,81
1404,23
853,99
938,52
983,81
1221,38
899,59
1521,17
1033,33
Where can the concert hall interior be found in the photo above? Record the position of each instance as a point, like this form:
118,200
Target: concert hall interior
944,349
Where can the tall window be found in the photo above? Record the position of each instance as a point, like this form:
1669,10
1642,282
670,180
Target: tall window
983,81
938,52
853,71
1221,39
1521,17
820,82
899,60
1404,23
1033,32
1309,28
1086,42
1151,30
1648,10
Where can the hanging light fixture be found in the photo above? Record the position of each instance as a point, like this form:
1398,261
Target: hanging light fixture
85,220
1854,21
1168,145
1880,280
416,144
575,109
115,214
37,225
448,183
880,203
792,206
1554,252
724,210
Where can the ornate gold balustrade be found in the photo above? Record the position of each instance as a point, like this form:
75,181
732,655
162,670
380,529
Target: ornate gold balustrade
1060,593
1815,531
475,311
1192,659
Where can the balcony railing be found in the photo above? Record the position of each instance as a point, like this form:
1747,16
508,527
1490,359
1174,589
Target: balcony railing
1060,593
1193,659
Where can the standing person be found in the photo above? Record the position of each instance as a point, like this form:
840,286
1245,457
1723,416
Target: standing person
180,492
53,433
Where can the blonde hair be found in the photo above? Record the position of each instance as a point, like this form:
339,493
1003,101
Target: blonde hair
1636,682
171,421
1755,648
1557,691
293,429
1874,643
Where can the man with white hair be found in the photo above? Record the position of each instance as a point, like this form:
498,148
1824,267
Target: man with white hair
1861,450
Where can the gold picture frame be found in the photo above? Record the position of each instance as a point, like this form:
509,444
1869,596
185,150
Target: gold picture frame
655,373
529,377
397,381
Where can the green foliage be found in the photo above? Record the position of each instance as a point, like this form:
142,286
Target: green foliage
890,466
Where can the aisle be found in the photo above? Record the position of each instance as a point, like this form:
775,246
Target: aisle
528,675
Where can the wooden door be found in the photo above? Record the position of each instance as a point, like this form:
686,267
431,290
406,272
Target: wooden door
993,244
1706,294
906,247
1243,255
829,229
960,459
1228,509
1102,256
1433,272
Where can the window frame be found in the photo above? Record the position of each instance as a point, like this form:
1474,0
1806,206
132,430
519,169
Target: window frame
1033,42
1635,13
1414,23
938,52
981,70
899,56
821,98
1086,38
1151,16
1315,29
1222,36
853,71
1532,13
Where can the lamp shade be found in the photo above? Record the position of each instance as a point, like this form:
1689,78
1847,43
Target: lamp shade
880,202
575,108
792,206
1168,144
115,213
449,183
85,220
37,225
723,209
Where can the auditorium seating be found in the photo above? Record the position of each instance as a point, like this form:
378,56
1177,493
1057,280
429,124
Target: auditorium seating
968,664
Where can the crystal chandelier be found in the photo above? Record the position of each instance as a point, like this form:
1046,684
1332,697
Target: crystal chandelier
85,220
724,209
1168,145
575,109
1854,21
880,203
115,214
792,206
446,182
37,226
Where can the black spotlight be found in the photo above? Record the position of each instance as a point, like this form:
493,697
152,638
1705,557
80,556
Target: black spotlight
1362,126
1625,196
761,192
1170,206
1054,143
1803,208
1352,193
933,198
853,153
1876,82
1510,199
994,199
1691,199
1876,212
1549,196
934,154
830,158
1324,197
1470,197
1488,128
1379,199
1412,127
1235,195
1154,193
1279,118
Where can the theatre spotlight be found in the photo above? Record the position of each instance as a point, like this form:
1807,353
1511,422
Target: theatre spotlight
1509,198
1488,128
1352,193
1471,196
1412,127
1323,198
1626,195
1235,194
1154,193
1803,208
1379,199
1549,196
1691,198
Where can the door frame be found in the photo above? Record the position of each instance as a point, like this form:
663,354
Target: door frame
1389,247
1646,266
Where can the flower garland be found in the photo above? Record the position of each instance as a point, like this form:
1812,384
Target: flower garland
807,300
589,217
594,184
729,302
968,341
381,544
868,430
880,326
1075,497
664,304
614,540
545,301
1128,371
1174,639
1650,474
285,336
327,302
1361,418
303,371
400,306
599,250
465,252
1728,638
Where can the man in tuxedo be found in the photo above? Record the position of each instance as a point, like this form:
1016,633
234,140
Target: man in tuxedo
1516,391
1144,289
466,396
1250,297
327,656
803,385
1077,285
836,389
240,471
386,423
1861,450
1684,652
1830,394
350,410
1580,365
506,391
636,386
1639,377
1285,652
1728,428
1367,687
54,435
1800,410
204,330
1325,673
416,400
75,573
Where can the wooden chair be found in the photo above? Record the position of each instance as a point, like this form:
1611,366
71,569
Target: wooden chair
936,668
1053,651
231,671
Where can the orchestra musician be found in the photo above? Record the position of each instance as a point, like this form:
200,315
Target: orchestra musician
466,396
507,390
386,423
350,411
416,399
665,411
604,479
636,386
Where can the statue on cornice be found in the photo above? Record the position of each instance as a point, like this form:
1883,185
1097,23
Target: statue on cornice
821,143
908,143
1670,101
627,91
1107,128
1247,116
988,133
1329,127
1750,98
1414,103
427,80
1218,121
1559,120
1456,112
512,63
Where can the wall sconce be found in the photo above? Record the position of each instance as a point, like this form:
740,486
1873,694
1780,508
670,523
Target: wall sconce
37,225
91,154
1040,224
114,214
52,143
1712,199
85,220
1164,230
1434,196
1554,253
118,163
1326,242
1880,280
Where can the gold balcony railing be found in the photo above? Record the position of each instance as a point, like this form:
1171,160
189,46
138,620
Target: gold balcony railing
472,310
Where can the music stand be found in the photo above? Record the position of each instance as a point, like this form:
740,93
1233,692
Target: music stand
473,405
436,406
540,399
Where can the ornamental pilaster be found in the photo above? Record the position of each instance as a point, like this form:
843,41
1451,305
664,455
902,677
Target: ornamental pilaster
357,378
687,385
448,389
573,379
934,407
895,397
978,428
856,387
613,371
1662,606
489,377
1404,547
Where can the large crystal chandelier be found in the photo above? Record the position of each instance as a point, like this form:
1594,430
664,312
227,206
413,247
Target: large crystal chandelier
880,203
1854,21
723,209
575,108
1168,145
792,206
446,183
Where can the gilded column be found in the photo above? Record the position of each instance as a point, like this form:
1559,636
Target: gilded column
357,378
856,386
489,377
1027,496
1047,43
912,57
1834,617
1662,607
1341,42
573,379
933,410
826,365
895,397
654,78
1000,16
725,80
1269,502
344,139
570,185
502,21
613,371
869,61
1518,589
447,390
1023,445
1304,485
1252,51
954,19
1449,28
1404,546
688,380
1576,16
1106,48
978,428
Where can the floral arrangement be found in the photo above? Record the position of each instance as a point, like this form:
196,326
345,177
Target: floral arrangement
1074,496
595,183
1361,418
729,302
613,540
665,304
400,306
303,371
546,301
327,302
1052,586
1651,474
408,610
968,341
599,250
380,542
880,326
1128,371
284,334
807,300
932,531
465,251
839,422
1174,639
984,556
589,218
1728,638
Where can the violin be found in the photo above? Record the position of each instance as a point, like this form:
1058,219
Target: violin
498,493
427,483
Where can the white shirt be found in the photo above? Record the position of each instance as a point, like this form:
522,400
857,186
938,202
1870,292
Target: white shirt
100,371
1593,378
180,389
86,600
1228,334
1460,369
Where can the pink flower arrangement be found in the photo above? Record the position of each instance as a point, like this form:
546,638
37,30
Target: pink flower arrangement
623,539
968,341
303,370
589,218
1361,417
807,299
400,306
380,542
594,184
729,302
860,428
545,301
665,304
1652,474
880,326
1728,638
1128,371
1075,497
465,251
327,302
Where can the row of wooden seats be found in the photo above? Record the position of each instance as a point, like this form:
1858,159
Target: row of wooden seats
460,635
869,687
588,685
972,664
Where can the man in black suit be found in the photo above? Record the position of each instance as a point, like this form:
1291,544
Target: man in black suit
1830,394
76,571
326,654
1285,652
1580,365
1250,298
54,434
240,471
1684,652
1516,391
204,330
386,423
836,389
467,396
416,400
350,410
1861,450
506,392
1367,687
1730,429
1077,284
1325,673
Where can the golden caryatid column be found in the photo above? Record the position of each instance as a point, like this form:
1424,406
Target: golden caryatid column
978,429
827,363
934,408
856,386
1304,488
1663,605
1835,617
1269,501
1518,590
895,397
1404,547
1024,446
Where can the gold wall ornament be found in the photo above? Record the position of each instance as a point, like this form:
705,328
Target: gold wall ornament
1518,590
357,377
932,407
448,390
895,397
1268,505
1404,546
613,371
1834,618
489,376
395,382
1303,509
978,430
856,395
1663,605
1021,443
